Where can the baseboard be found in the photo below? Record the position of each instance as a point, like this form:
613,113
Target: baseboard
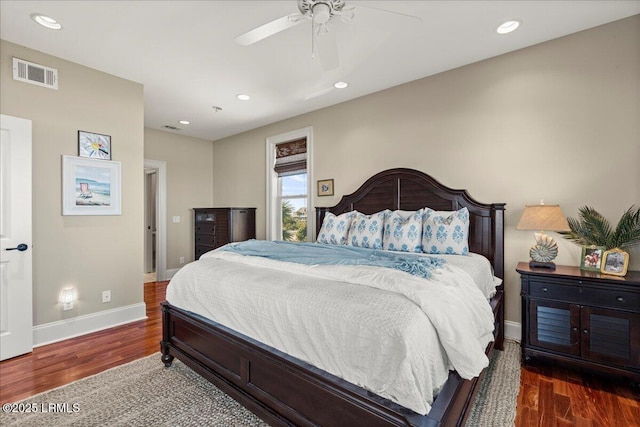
512,330
82,325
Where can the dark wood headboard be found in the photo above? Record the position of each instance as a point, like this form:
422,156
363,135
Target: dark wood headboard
410,190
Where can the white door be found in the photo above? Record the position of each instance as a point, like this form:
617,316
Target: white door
16,321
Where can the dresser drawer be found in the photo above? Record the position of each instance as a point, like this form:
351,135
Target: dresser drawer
610,298
553,291
205,239
205,227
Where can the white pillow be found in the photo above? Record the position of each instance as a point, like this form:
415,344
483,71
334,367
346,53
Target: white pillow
334,228
446,232
366,230
403,231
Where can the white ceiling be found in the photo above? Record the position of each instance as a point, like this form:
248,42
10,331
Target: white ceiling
184,52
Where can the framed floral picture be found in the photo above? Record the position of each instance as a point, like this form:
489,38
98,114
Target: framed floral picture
615,262
94,145
591,258
325,187
90,187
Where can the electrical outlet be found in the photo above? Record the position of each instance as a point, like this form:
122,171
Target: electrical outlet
176,218
106,296
181,260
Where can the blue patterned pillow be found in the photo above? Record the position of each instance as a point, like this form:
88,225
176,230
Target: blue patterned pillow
446,232
334,229
403,231
366,230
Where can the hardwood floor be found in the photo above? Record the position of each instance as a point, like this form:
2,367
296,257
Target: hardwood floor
549,395
60,363
559,396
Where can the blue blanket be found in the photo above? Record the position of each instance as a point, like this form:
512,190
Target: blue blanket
313,254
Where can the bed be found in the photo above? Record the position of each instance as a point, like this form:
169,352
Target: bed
284,390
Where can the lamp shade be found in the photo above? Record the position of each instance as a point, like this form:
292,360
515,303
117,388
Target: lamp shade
543,217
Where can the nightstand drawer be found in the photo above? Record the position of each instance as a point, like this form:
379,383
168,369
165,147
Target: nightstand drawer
611,298
553,291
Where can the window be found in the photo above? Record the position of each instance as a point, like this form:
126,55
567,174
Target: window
293,199
288,186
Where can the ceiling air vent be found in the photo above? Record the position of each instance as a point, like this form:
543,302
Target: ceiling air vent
171,127
35,74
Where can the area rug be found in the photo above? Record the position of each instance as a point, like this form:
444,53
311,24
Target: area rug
137,394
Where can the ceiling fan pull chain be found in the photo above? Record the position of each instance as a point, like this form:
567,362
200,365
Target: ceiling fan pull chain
313,41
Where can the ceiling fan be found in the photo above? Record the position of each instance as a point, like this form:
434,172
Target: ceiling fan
321,13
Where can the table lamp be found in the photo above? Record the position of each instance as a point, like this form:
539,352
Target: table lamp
543,217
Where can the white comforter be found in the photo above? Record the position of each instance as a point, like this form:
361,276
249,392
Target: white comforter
384,330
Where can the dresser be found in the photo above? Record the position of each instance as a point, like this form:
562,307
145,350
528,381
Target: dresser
215,227
583,318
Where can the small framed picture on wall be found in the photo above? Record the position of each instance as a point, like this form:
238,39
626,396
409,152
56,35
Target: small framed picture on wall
325,187
94,145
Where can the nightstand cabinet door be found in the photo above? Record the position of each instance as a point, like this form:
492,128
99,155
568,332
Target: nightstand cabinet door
554,326
610,336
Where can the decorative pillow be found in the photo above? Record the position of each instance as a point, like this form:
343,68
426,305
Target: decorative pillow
334,229
366,230
446,232
403,231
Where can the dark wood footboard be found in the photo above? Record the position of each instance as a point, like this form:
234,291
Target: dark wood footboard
284,391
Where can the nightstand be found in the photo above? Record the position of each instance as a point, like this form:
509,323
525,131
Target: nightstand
581,317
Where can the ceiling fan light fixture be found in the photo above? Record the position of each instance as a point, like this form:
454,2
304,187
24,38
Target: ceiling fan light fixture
184,122
321,13
341,85
46,21
508,26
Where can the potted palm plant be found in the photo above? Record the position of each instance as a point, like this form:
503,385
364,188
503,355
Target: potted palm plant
594,232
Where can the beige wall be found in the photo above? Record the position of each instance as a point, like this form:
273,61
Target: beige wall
559,121
189,185
90,253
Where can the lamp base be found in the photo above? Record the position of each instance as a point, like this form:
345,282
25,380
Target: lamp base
540,264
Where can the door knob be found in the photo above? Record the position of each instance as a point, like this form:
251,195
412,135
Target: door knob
21,247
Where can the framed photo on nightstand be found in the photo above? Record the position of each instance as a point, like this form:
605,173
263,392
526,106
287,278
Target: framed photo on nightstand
615,262
591,258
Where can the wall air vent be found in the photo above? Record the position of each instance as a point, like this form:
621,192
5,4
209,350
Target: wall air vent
35,74
171,127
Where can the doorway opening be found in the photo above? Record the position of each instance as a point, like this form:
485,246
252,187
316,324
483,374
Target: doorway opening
155,228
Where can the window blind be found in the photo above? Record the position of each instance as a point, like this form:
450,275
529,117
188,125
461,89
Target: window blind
291,157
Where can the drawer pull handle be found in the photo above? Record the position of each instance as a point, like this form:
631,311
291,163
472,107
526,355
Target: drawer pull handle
586,331
620,299
574,329
545,289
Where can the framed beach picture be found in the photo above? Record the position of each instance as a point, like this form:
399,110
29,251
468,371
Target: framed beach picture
615,262
94,145
90,187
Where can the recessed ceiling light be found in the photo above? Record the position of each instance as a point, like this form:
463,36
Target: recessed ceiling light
184,122
507,27
341,85
243,97
46,21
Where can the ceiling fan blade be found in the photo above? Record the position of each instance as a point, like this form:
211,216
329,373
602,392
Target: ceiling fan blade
269,29
416,19
326,45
